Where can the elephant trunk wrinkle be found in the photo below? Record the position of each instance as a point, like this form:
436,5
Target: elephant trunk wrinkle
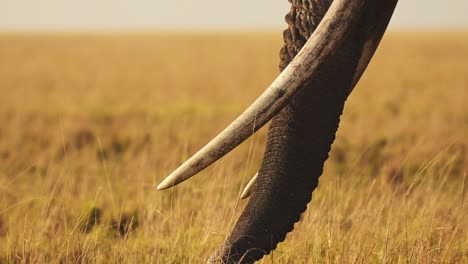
301,135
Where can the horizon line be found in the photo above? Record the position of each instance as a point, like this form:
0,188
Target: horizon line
195,30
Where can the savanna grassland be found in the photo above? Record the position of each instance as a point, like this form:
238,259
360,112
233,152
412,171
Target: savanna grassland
90,124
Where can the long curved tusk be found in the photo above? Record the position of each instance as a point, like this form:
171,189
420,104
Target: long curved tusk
331,31
248,188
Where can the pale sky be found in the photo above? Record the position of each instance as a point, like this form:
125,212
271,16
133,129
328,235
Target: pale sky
198,14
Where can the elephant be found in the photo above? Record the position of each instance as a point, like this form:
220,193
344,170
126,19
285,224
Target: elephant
327,47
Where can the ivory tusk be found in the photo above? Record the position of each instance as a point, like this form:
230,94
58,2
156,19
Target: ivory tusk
248,188
329,34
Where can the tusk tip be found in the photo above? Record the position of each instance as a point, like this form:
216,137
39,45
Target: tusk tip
181,174
166,184
248,189
245,194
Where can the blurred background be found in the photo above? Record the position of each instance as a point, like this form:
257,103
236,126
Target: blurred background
101,99
204,14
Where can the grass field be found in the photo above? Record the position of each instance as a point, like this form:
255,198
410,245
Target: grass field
90,124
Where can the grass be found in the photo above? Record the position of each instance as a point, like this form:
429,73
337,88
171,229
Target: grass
91,123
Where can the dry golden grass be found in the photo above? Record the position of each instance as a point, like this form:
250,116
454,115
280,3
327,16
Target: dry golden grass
90,124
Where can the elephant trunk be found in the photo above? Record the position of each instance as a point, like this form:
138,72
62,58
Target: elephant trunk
301,135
